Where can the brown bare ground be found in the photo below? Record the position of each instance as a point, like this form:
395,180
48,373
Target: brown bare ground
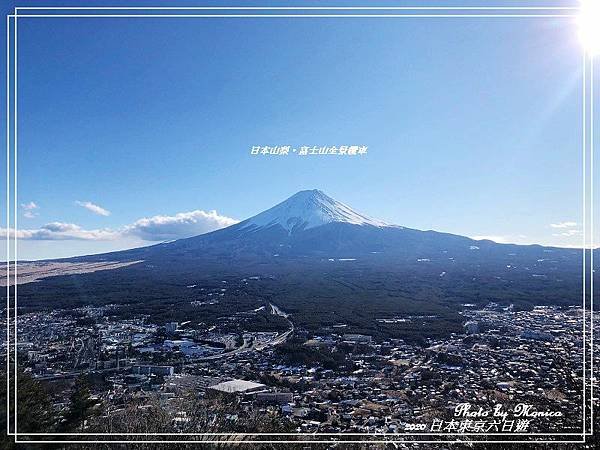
28,272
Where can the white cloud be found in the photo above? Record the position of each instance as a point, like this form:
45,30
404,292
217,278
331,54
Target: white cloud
186,224
93,208
157,228
29,206
59,231
563,225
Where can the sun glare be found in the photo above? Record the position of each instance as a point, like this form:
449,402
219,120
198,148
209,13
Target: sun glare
589,26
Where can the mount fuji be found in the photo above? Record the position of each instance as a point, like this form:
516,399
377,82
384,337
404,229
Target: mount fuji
311,225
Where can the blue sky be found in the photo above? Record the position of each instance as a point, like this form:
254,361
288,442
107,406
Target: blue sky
472,126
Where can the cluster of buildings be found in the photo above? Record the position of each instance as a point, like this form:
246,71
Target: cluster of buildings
503,357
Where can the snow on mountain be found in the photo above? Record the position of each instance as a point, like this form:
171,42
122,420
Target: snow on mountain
308,209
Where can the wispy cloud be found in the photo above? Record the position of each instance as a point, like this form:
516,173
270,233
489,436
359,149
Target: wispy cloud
29,210
565,229
156,228
93,208
563,225
29,206
568,233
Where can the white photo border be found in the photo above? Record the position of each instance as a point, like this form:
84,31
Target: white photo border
405,12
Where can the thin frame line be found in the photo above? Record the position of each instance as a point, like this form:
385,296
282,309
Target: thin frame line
584,253
15,106
188,16
308,16
299,434
592,243
458,441
307,8
7,221
409,15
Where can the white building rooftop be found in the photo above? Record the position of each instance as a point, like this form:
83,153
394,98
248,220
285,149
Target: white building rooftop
237,386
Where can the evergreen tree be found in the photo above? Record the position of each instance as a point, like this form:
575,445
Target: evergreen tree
34,409
80,408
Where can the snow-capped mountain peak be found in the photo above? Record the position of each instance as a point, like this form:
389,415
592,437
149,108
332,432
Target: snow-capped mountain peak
309,209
